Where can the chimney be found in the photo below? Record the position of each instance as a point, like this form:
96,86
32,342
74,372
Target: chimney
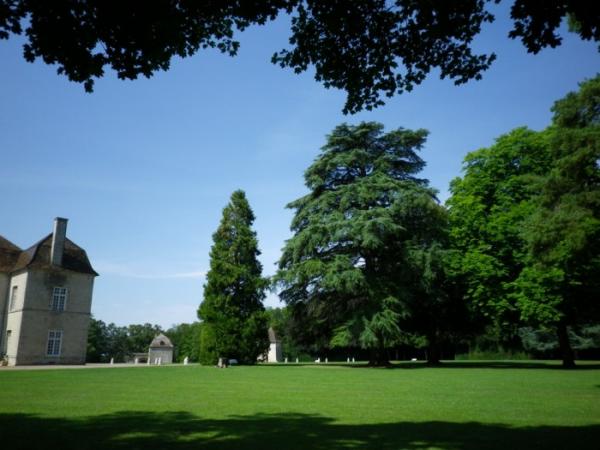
58,241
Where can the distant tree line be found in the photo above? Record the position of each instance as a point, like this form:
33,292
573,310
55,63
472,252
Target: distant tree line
377,267
109,341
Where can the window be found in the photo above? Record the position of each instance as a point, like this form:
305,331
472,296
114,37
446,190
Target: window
13,297
59,299
54,342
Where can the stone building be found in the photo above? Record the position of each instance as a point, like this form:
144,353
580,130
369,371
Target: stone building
45,300
161,350
275,353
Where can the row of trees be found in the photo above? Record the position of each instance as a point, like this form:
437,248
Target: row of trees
375,261
106,341
526,220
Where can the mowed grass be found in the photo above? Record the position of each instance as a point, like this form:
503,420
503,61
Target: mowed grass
464,405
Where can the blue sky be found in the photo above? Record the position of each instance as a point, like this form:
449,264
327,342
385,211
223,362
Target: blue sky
142,169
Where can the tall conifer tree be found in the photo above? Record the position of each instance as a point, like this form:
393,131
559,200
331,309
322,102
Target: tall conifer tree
355,237
235,289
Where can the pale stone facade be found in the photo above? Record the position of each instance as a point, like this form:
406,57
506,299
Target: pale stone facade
161,350
275,353
45,300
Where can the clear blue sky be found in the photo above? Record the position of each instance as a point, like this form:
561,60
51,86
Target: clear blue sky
143,169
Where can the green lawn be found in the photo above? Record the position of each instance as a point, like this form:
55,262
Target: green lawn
466,405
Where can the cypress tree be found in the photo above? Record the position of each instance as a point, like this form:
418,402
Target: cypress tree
235,289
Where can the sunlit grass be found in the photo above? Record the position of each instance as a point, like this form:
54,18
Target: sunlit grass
462,405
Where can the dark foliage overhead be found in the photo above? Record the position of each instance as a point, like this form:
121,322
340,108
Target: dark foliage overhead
370,49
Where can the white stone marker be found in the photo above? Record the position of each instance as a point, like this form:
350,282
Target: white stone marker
297,360
326,360
186,361
285,360
112,360
353,359
348,360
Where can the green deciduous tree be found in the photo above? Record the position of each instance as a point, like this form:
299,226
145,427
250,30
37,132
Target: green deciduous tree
526,217
209,352
112,341
560,285
369,48
366,212
233,294
290,332
140,336
487,209
434,285
97,342
118,343
186,340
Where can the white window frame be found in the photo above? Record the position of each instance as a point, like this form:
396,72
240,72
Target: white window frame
14,291
59,299
54,343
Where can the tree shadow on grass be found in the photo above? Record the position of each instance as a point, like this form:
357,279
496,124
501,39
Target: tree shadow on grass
184,431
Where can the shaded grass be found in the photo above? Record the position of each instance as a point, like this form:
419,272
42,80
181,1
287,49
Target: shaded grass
302,407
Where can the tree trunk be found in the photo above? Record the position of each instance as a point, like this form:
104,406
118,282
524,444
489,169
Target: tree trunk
433,352
433,355
379,356
568,359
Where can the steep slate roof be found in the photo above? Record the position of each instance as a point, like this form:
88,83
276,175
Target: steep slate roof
9,253
161,341
38,256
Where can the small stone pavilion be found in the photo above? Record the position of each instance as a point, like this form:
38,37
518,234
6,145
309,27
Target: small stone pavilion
161,350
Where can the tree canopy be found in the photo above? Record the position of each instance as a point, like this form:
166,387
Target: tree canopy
106,341
526,218
234,322
370,49
186,340
487,208
344,270
561,283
